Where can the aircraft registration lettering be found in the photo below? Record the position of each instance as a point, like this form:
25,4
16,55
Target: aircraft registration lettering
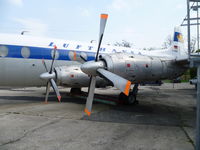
78,46
65,45
103,49
90,47
114,51
51,44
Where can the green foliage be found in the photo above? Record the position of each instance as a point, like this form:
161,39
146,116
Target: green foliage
189,74
186,76
193,72
197,51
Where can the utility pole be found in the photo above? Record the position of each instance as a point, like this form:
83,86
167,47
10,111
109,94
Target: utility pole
188,28
197,25
195,62
198,110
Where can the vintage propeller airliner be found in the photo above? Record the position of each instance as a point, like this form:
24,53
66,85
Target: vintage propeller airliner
33,61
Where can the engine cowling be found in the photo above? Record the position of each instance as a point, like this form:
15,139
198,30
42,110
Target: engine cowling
136,68
139,68
72,76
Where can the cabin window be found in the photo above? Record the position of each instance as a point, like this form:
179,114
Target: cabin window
25,52
57,54
72,55
3,51
76,56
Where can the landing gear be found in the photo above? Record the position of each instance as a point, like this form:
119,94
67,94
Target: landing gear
74,91
131,99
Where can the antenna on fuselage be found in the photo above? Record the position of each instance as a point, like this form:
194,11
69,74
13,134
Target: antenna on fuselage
22,33
93,41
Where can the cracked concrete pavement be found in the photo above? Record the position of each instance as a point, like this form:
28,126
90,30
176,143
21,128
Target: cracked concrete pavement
164,119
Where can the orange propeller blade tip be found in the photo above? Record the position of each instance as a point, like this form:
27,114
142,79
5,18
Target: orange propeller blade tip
55,47
59,98
104,16
127,88
87,112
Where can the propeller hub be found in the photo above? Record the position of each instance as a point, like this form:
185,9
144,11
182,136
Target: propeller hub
91,67
48,76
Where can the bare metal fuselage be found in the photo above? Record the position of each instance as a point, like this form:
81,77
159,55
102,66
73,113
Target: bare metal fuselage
26,72
21,62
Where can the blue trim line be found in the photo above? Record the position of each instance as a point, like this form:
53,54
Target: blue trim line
40,53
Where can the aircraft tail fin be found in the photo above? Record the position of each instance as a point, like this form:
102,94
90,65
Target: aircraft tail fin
178,44
178,41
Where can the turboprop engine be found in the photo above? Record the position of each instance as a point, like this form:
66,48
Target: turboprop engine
136,68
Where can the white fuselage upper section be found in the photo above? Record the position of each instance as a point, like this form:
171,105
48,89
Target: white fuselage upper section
21,56
30,41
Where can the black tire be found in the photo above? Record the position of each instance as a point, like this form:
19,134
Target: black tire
131,99
122,97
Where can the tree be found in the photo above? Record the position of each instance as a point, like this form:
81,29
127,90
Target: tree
168,42
124,43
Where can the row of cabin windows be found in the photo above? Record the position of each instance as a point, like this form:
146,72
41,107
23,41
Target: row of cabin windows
25,52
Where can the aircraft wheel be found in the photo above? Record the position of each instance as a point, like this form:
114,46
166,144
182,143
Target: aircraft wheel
131,99
122,97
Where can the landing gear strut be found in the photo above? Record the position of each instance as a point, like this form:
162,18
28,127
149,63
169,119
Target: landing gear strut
131,99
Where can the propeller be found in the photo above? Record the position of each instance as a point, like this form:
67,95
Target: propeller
83,58
97,67
50,76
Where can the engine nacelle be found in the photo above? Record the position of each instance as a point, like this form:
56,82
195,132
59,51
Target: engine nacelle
138,68
72,76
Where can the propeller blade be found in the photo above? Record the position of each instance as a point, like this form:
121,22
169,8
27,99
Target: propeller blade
53,84
54,56
90,97
47,92
83,58
103,21
43,62
122,84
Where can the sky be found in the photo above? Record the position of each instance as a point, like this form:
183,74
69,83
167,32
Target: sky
145,23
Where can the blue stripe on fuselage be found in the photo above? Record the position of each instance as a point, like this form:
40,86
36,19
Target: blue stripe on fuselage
40,53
